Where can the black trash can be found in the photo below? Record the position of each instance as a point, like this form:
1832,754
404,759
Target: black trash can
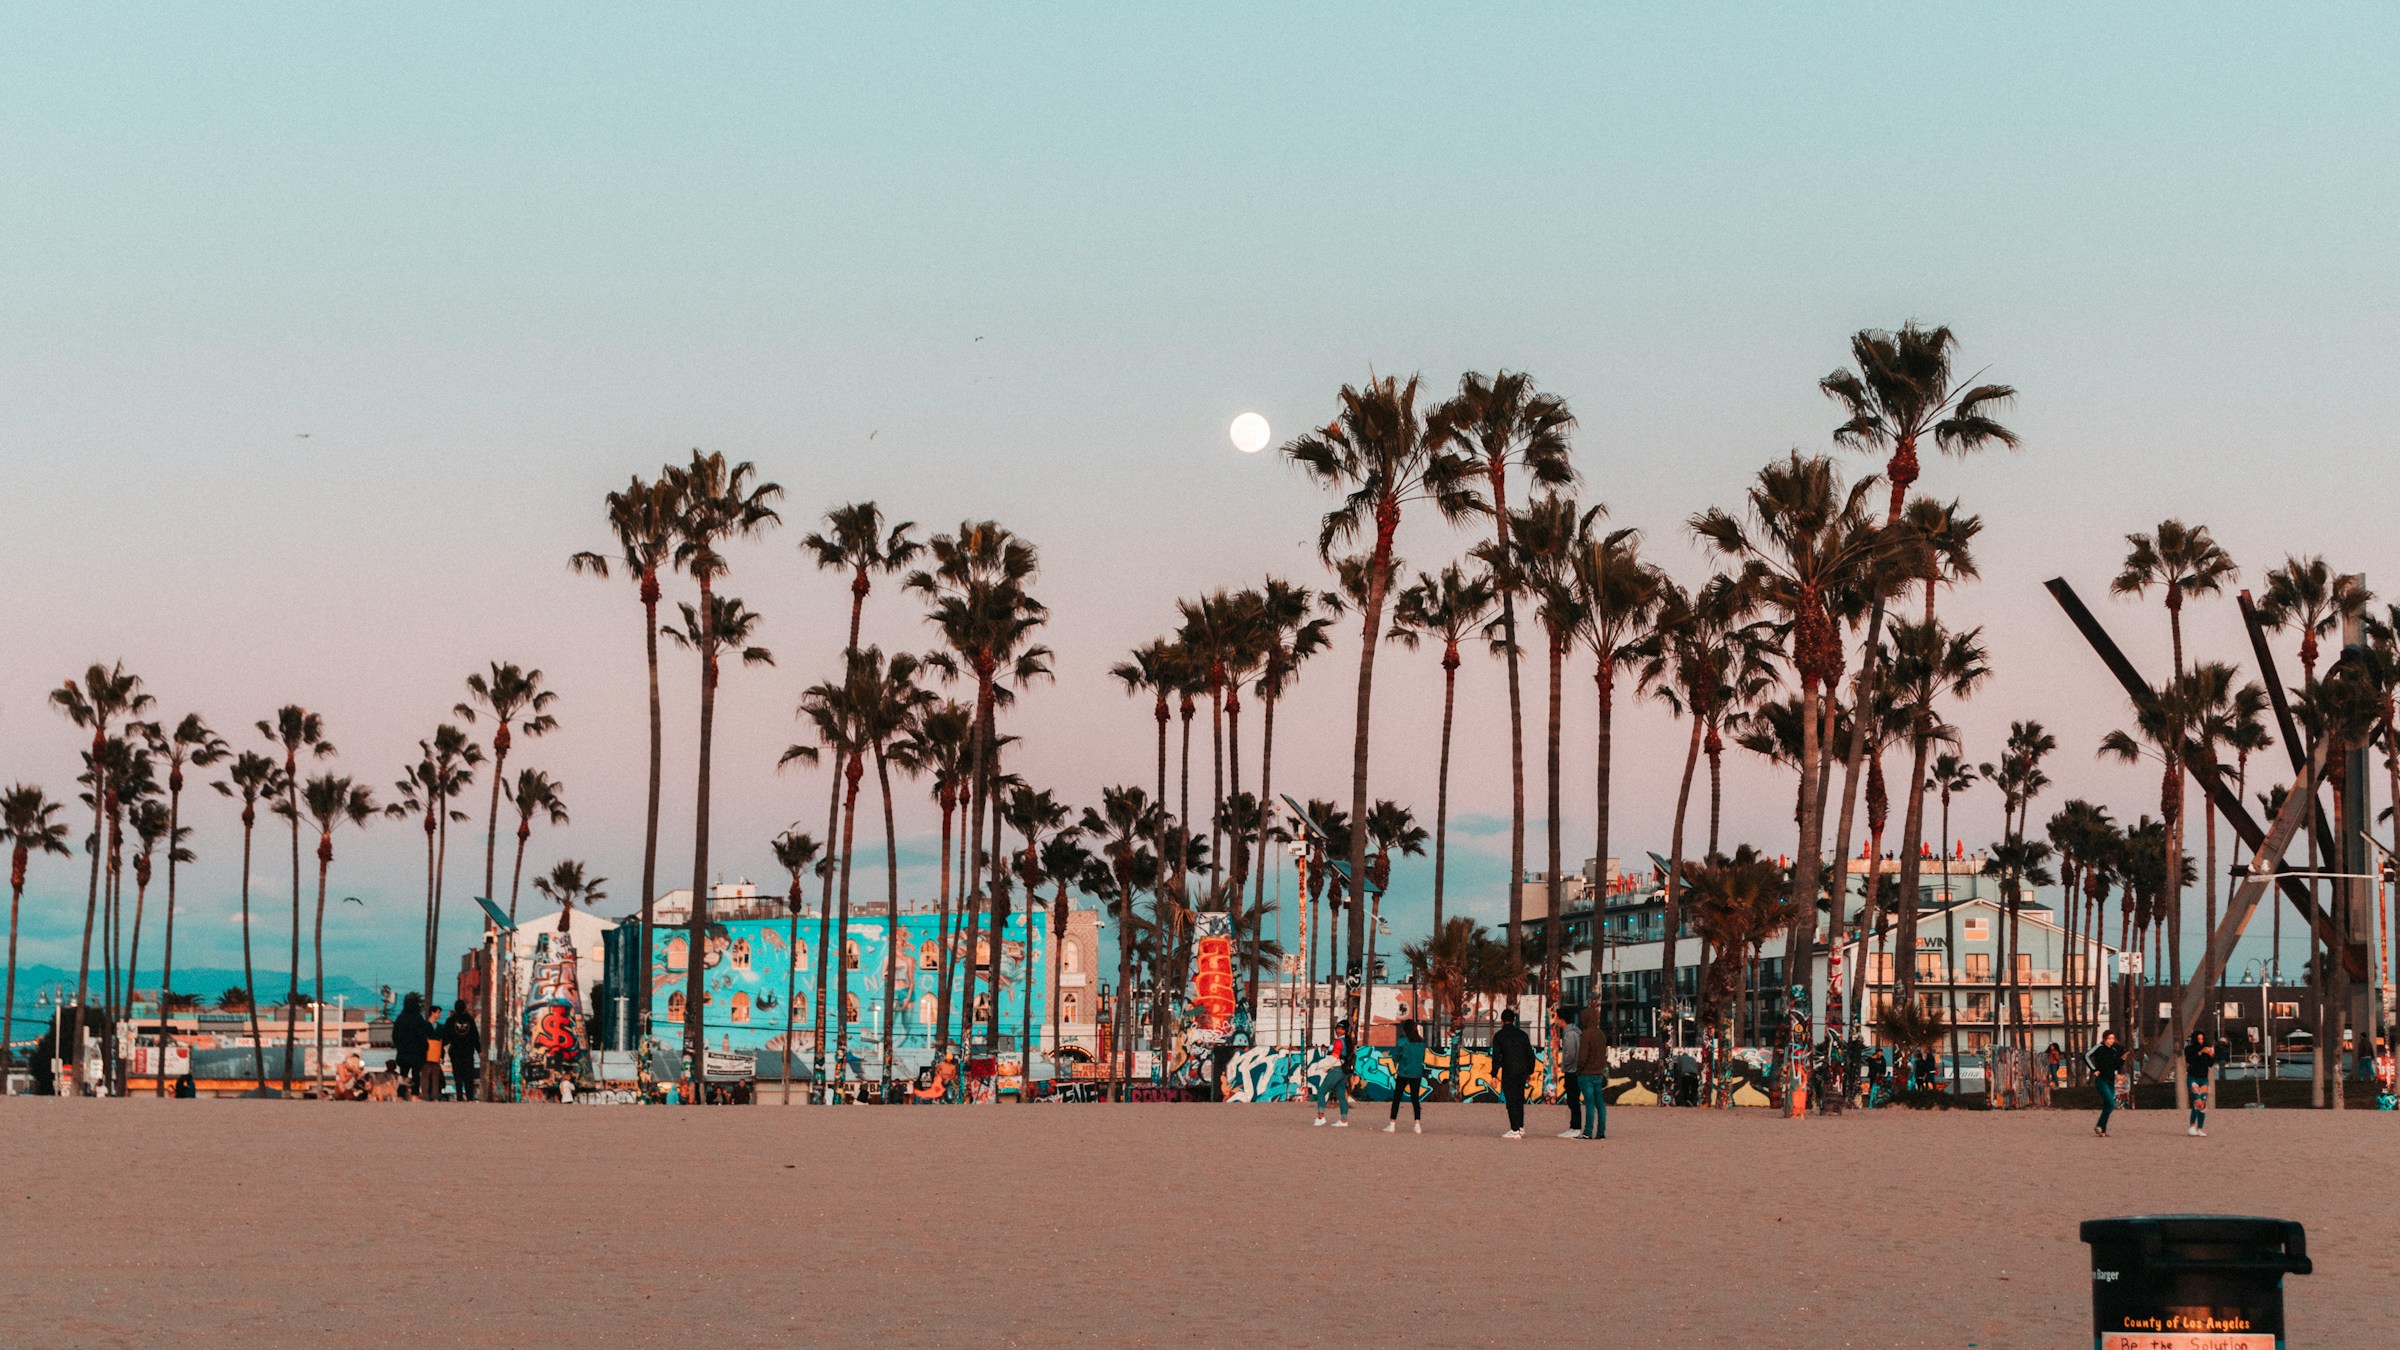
2191,1281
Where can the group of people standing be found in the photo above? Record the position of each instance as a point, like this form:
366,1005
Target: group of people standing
420,1045
1577,1041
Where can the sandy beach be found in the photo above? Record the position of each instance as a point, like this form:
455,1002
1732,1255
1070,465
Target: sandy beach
292,1223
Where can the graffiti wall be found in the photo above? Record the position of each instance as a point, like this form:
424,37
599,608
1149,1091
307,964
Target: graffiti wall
1271,1075
748,965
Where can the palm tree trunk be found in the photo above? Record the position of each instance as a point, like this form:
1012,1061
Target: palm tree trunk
1216,780
258,1051
1237,867
1556,929
1670,1020
978,801
72,1053
291,1010
1807,865
1441,791
1266,812
1604,680
891,925
1379,577
839,953
133,960
1909,894
826,950
791,979
941,936
641,965
695,990
317,1022
999,920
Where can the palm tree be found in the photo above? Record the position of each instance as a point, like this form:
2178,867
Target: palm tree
1929,665
1705,648
720,502
1449,607
2343,711
1739,903
252,777
149,823
795,853
1379,454
191,742
2019,862
2183,562
979,603
296,729
1950,776
29,824
1124,825
331,800
1619,598
889,701
509,695
1032,815
1502,422
1547,538
1066,861
1807,541
1214,632
1392,828
444,770
107,694
1290,632
643,517
536,795
2082,834
719,627
936,742
1901,391
2224,717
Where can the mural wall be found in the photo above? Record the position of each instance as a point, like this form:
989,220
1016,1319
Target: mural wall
749,962
1268,1075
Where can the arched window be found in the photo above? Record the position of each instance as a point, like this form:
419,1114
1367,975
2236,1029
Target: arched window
741,954
925,1010
800,955
741,1007
675,1006
850,1006
850,953
929,957
1068,1008
679,953
1070,958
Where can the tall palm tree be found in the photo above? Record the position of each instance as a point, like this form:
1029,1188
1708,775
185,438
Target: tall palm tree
837,713
1620,594
2181,561
936,742
1806,542
720,627
1502,422
1066,862
2019,862
796,854
1739,903
1033,815
510,695
332,801
191,742
150,828
107,695
890,701
1448,607
1123,826
295,729
1391,828
978,601
1379,454
2082,834
2226,716
444,770
1547,537
643,517
29,824
534,795
1951,775
567,886
1901,391
1930,666
251,778
2343,711
1291,631
1707,645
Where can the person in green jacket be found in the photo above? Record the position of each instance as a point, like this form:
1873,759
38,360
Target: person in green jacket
1408,1076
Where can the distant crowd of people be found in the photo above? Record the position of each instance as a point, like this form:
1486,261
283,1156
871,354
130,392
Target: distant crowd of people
421,1045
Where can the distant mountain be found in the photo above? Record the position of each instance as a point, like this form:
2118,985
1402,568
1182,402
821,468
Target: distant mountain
205,981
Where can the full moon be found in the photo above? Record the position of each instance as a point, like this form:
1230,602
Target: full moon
1250,433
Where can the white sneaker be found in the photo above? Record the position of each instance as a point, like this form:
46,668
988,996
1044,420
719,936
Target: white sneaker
1570,1134
1392,1128
1416,1127
2200,1132
1319,1122
1512,1134
2191,1129
1341,1124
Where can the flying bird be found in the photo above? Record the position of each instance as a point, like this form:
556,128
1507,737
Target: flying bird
354,900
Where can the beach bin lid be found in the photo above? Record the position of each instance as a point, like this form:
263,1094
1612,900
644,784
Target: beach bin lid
2192,1279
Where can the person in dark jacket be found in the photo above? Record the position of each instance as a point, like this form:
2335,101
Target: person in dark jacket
412,1040
461,1039
1335,1086
2199,1056
1591,1073
1564,1038
1408,1075
2106,1060
1512,1059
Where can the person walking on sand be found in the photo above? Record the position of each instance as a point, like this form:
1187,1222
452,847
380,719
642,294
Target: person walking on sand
2105,1060
1563,1041
2199,1056
1591,1073
1512,1059
460,1036
1335,1086
1408,1076
412,1037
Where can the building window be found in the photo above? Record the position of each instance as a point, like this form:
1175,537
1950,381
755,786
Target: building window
929,957
2285,1009
850,1007
2021,963
1069,1009
1879,968
679,953
850,953
925,1010
1929,965
1979,1005
1070,956
675,1006
1979,930
800,954
2233,1012
1979,965
741,1007
741,954
2165,1008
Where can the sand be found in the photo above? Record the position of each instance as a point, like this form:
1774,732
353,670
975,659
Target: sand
290,1223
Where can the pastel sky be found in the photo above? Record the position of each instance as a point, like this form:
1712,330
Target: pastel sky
328,327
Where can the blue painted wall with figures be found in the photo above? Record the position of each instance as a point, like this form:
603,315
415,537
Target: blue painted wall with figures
748,964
